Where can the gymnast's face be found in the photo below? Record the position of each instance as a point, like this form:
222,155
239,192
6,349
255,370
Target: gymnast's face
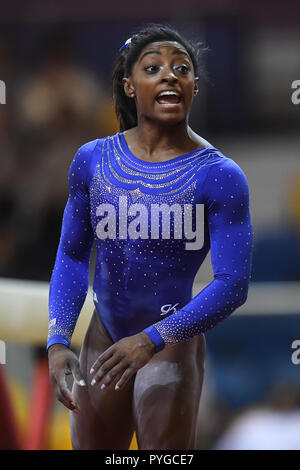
162,67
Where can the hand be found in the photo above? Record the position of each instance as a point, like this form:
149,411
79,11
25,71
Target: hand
122,360
62,362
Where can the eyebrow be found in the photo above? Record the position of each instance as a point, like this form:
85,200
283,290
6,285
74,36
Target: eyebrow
159,53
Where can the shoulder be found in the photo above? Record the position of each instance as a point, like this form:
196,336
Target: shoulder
86,156
96,146
80,168
225,181
215,161
225,169
86,149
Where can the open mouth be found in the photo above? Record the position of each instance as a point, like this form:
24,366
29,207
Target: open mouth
168,98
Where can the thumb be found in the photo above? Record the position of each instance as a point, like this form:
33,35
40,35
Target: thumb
75,369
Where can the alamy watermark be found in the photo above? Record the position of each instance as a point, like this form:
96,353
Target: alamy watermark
144,219
2,92
296,354
296,94
2,352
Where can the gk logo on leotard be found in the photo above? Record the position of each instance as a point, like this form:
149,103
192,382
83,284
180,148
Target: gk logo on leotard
168,308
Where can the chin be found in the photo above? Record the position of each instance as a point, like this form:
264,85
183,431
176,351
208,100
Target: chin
170,119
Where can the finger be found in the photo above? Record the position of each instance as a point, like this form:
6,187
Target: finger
105,369
70,405
69,401
101,359
115,372
129,372
65,393
77,374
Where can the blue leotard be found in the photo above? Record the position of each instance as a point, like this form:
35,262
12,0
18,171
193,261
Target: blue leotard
147,259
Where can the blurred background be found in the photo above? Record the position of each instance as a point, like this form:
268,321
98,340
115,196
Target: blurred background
56,61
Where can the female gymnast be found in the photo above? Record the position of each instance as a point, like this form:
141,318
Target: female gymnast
155,198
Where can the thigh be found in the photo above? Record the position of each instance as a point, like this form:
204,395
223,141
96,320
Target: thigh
167,393
105,420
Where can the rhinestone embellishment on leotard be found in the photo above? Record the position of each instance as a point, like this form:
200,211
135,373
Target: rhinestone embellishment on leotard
140,179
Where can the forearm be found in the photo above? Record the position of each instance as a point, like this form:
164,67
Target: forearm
68,289
205,311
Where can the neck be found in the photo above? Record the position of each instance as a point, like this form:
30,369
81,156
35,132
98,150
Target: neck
156,139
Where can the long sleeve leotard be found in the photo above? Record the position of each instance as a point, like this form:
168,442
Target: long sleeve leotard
153,225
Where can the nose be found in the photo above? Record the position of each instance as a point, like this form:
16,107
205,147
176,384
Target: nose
169,76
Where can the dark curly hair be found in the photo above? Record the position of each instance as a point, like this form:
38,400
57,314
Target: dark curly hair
124,106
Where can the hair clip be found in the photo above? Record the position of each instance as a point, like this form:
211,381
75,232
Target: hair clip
125,45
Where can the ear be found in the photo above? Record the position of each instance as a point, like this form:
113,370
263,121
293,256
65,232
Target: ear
196,85
128,87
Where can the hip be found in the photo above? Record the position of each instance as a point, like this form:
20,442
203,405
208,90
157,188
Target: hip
188,353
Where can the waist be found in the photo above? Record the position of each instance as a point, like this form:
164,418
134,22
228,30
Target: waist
126,312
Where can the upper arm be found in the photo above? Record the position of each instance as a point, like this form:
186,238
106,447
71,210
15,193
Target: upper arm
77,233
229,220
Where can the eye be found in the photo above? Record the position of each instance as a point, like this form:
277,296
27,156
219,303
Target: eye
183,68
151,68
